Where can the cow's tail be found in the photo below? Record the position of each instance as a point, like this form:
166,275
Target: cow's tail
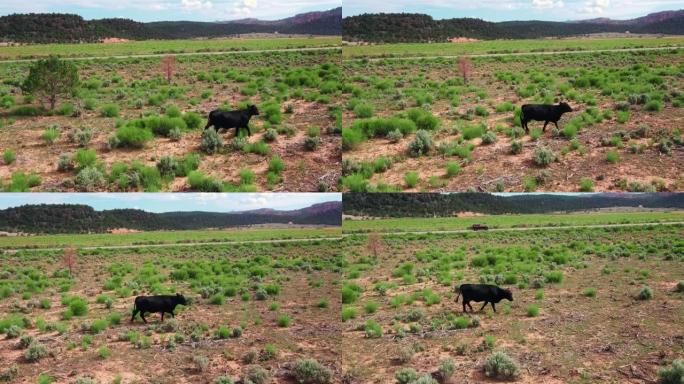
458,289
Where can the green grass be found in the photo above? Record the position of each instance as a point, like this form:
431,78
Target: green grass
163,237
506,221
501,46
163,46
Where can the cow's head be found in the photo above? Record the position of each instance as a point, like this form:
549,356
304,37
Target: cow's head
180,299
564,107
506,294
253,111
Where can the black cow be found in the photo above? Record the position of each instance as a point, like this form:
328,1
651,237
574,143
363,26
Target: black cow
159,304
482,292
232,119
543,112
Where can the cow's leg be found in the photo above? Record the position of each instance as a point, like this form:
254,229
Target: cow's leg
484,305
471,307
544,129
208,125
524,125
493,307
162,316
172,314
464,307
249,131
556,123
135,312
142,316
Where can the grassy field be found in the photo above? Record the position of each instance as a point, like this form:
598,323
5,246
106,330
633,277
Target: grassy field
506,46
589,305
164,237
418,125
127,128
508,221
148,47
260,313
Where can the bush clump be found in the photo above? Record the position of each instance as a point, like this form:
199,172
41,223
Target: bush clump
646,293
500,366
211,141
543,156
310,371
421,145
674,375
133,136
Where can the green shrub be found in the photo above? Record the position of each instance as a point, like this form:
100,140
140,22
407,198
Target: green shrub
680,286
499,366
78,306
411,179
310,371
586,185
532,310
674,375
516,147
421,145
646,293
192,120
589,292
612,157
35,352
109,110
351,138
255,374
543,156
553,276
223,332
311,143
489,137
132,136
423,119
283,320
654,106
104,352
89,179
406,376
372,329
272,113
370,306
8,156
218,299
246,176
211,142
199,182
470,132
51,134
453,169
363,110
98,326
505,107
270,135
258,147
349,313
85,158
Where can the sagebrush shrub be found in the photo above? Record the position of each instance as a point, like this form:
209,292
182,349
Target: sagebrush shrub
211,141
421,145
310,371
500,366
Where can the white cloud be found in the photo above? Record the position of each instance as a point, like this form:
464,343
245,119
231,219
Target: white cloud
196,5
244,7
595,6
547,4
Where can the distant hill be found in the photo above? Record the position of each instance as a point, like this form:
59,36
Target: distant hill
73,218
68,28
405,27
429,205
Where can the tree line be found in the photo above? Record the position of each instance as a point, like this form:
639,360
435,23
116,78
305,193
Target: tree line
410,27
442,205
76,218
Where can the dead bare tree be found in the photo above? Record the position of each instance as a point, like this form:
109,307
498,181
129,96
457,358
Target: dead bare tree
69,260
374,244
169,66
465,66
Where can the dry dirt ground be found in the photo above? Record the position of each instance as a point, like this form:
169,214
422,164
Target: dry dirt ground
493,164
610,338
304,170
313,333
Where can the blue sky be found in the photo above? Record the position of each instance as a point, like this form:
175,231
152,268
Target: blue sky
502,10
166,202
156,10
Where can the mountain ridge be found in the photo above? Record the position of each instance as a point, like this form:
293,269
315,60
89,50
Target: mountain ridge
78,218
